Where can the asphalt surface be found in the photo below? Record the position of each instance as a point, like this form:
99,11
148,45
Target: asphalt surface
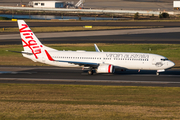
55,75
81,23
169,34
161,38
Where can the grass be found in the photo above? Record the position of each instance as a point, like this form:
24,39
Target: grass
79,102
171,51
4,18
76,28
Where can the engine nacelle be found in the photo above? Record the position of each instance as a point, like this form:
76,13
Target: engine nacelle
105,69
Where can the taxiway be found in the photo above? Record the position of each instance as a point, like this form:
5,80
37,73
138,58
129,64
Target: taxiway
58,75
52,23
155,35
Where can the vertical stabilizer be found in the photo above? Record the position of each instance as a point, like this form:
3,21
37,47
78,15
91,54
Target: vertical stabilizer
30,42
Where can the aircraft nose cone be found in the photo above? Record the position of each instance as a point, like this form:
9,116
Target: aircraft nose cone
171,64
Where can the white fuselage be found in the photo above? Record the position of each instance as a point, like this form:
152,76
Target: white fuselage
140,61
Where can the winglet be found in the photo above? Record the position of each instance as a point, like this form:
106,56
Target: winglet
96,48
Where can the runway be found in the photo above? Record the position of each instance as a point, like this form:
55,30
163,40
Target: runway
161,38
55,75
169,34
159,35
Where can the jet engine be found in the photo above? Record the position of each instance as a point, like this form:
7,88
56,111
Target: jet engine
105,68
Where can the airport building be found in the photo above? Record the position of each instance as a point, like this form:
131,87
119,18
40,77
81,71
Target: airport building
176,5
48,4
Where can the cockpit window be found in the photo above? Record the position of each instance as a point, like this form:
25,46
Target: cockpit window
164,59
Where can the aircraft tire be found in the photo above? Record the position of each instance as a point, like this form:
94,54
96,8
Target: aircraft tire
90,72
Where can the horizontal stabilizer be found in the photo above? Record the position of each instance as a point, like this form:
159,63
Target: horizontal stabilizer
22,52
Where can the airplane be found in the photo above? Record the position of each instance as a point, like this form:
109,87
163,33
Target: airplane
95,61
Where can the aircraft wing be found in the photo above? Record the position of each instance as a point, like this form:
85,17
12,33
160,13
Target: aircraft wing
80,63
72,62
96,48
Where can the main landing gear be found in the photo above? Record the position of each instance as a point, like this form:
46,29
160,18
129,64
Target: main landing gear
90,72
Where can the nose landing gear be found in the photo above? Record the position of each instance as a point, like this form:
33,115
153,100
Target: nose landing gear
157,73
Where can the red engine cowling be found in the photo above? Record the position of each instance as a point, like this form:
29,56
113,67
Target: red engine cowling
105,69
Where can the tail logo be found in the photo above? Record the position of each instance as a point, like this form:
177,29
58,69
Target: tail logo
29,41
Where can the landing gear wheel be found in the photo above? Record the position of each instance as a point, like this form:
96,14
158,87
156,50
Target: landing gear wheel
157,73
90,72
